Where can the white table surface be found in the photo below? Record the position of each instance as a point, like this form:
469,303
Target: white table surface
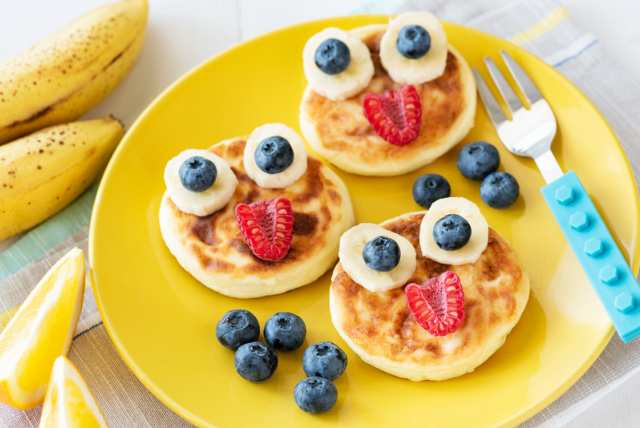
183,33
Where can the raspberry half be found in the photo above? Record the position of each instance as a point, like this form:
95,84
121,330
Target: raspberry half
396,116
437,305
267,227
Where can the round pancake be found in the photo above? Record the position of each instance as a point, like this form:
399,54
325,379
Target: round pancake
212,249
339,131
380,328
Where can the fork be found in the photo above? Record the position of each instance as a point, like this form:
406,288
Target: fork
529,133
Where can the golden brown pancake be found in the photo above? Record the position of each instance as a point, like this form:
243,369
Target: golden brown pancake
380,328
212,249
339,131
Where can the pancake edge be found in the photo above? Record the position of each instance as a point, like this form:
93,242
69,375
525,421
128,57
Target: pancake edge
253,286
458,131
417,372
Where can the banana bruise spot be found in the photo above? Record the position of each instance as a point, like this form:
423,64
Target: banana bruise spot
39,113
46,110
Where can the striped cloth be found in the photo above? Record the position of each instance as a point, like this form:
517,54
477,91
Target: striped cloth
544,27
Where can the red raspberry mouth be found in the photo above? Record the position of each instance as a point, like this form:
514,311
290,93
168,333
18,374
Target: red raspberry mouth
437,305
267,227
395,115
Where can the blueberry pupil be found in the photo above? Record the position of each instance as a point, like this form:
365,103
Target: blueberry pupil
197,173
413,41
451,232
332,56
381,254
274,155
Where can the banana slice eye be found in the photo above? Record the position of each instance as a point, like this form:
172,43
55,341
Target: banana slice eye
453,232
376,258
199,182
337,64
274,156
414,48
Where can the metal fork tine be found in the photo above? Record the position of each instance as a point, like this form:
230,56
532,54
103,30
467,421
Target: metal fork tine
503,86
490,104
522,79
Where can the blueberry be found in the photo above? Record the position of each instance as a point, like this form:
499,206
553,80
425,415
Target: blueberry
285,331
451,232
499,189
255,361
477,160
381,254
332,56
315,394
413,41
197,173
274,155
324,359
429,188
236,328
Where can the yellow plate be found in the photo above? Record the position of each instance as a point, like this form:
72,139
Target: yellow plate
162,320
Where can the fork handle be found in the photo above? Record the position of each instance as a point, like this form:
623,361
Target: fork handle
601,259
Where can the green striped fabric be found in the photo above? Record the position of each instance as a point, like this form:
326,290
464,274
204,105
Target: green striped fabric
36,243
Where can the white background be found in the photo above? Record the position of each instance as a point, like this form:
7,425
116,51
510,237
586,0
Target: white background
183,33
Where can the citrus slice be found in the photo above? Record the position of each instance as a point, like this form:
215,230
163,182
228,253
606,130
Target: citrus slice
69,402
40,331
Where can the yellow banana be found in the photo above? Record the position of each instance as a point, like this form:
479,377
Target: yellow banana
42,172
62,77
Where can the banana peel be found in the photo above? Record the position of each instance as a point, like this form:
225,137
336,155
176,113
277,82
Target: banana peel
43,172
65,75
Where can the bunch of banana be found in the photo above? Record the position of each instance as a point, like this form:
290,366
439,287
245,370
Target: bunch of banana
55,82
61,78
42,172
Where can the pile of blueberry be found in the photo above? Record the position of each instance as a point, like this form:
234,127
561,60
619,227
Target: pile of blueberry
477,161
256,361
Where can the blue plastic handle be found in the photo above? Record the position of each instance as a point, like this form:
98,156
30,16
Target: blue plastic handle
598,253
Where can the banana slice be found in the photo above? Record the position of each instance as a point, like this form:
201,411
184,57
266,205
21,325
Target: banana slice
479,232
414,71
349,82
281,179
208,201
352,244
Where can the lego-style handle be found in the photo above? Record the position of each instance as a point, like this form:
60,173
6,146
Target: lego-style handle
586,232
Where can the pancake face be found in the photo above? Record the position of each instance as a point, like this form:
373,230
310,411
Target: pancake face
339,131
212,249
380,328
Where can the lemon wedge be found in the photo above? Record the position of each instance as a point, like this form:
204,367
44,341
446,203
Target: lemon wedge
69,403
40,331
